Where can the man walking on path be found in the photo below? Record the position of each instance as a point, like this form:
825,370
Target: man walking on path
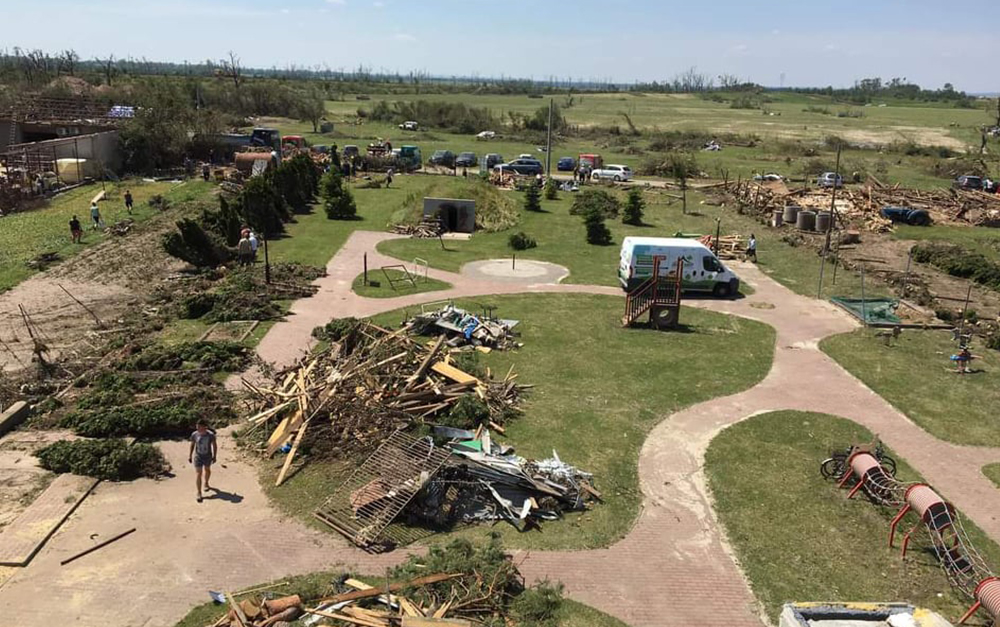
253,246
128,200
388,178
75,230
751,252
202,454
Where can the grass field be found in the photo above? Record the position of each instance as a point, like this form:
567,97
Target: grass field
798,538
26,234
598,391
992,472
316,585
917,377
384,289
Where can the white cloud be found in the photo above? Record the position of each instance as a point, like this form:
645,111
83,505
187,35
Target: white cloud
378,5
775,32
829,47
285,11
404,37
340,2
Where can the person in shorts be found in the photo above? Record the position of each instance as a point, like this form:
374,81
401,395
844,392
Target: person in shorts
202,454
75,230
129,201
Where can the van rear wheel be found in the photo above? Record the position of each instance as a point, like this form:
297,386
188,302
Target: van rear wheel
721,290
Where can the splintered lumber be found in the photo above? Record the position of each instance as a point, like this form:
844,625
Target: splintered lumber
453,373
426,580
348,619
416,621
237,611
422,369
291,454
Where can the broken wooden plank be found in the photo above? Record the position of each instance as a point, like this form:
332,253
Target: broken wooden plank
422,369
291,453
415,621
347,619
374,592
453,373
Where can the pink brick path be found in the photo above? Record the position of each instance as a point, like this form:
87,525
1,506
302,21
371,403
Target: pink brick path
673,568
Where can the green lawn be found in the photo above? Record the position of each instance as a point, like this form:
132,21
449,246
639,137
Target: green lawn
403,287
798,538
917,377
316,585
561,240
992,472
26,234
599,389
312,238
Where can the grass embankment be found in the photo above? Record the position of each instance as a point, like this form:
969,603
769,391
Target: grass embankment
314,585
27,234
916,375
992,472
796,535
982,240
598,391
385,289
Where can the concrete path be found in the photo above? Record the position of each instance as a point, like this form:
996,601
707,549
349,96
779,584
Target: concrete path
673,568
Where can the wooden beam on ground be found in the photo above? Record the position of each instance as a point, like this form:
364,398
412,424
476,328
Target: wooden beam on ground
453,373
291,453
422,370
374,592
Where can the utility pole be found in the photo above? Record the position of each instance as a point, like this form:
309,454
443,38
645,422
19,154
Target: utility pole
548,141
829,225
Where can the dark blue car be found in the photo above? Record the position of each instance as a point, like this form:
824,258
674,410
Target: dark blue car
566,164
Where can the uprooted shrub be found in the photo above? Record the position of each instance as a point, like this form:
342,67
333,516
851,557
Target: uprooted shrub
341,330
468,413
110,460
602,201
521,241
170,418
222,356
191,243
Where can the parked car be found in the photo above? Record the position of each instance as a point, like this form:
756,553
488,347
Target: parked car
566,164
351,151
493,159
444,158
525,166
968,182
830,179
907,215
409,125
486,135
467,160
612,171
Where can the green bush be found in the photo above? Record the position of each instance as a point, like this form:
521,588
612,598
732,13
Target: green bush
111,460
468,413
521,241
191,243
337,199
337,329
261,206
539,605
197,305
551,189
532,198
602,201
634,207
597,232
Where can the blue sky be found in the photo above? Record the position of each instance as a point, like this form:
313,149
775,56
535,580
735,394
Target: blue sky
809,42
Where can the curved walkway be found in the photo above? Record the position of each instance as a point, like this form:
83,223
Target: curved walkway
673,568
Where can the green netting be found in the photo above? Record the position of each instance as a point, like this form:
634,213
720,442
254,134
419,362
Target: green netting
870,310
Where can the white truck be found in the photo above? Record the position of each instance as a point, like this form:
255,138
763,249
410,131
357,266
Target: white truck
613,172
702,270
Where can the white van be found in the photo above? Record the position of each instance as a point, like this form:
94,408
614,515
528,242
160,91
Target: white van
703,272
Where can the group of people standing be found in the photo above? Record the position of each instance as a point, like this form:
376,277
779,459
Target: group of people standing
246,250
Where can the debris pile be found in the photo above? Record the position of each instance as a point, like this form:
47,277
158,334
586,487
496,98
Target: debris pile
730,246
859,207
428,228
120,228
466,329
429,487
461,584
369,383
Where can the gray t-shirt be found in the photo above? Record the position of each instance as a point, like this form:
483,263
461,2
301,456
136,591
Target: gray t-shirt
203,443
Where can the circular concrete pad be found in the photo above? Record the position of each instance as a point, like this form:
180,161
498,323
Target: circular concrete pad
520,271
